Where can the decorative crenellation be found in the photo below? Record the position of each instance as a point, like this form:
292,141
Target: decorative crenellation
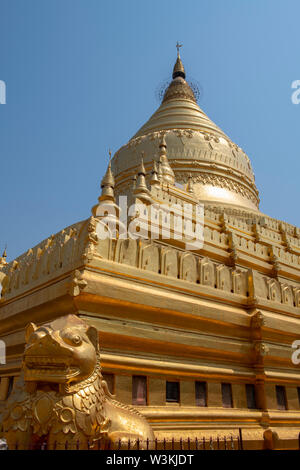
284,257
53,257
265,236
257,320
230,221
79,245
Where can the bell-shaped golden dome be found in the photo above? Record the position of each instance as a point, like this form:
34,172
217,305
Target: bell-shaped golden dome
197,150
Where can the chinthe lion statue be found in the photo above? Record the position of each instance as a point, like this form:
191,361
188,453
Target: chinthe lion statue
61,400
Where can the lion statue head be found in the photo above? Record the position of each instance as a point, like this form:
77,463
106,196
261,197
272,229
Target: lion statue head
65,351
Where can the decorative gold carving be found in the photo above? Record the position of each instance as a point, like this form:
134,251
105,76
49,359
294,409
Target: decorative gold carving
232,245
77,284
179,89
150,258
274,290
61,397
207,273
184,133
52,257
240,162
257,320
239,282
220,181
127,252
296,291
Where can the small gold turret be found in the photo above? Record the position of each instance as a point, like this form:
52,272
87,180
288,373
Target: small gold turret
190,185
167,172
179,88
107,184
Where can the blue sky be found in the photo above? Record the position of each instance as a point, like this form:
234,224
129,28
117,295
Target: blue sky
82,76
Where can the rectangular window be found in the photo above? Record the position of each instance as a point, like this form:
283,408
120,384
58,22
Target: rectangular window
172,392
250,393
227,395
139,390
110,380
281,397
10,386
201,394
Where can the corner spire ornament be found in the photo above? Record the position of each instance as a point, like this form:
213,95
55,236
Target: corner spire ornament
141,190
3,258
178,46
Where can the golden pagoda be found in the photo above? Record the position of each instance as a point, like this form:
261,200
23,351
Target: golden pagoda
199,339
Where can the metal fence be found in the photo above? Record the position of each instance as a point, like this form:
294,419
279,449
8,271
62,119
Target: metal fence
193,444
232,442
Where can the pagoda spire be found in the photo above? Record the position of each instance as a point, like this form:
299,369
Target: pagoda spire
154,175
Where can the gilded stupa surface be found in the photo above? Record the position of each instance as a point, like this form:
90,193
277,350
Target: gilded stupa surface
220,169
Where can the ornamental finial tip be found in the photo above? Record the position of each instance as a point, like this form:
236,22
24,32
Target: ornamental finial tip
178,46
